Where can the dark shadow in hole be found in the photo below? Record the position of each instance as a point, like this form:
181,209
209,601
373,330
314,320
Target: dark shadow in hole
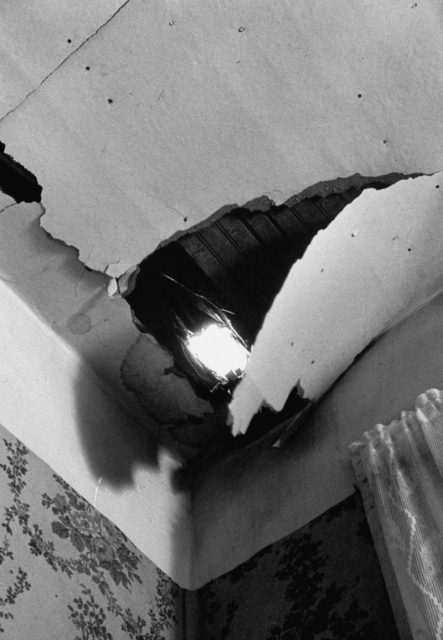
240,260
16,181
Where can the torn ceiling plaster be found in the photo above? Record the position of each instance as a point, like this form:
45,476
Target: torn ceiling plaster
70,299
74,303
377,262
168,112
190,426
147,125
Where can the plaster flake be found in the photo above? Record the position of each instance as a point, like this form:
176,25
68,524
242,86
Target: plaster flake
165,396
374,265
146,129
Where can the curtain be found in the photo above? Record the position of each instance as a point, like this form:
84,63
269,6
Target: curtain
399,469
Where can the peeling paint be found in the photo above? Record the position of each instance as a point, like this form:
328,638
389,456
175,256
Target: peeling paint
352,284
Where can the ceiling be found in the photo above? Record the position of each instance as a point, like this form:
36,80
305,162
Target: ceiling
143,122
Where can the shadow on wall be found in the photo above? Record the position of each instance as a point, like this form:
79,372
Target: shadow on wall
114,438
96,583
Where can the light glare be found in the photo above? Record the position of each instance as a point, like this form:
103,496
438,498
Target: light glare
218,350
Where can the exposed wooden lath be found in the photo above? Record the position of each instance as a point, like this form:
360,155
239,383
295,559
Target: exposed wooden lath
247,254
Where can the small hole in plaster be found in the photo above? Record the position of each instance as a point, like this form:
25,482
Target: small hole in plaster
87,68
312,361
110,101
354,234
171,23
241,29
385,141
437,186
185,219
69,41
359,95
409,249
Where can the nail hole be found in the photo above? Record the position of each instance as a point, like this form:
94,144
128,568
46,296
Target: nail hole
69,40
385,141
437,186
110,100
185,219
171,23
292,344
409,249
87,68
312,361
359,95
241,29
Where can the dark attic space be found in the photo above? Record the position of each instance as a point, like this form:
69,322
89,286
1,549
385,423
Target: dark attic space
228,272
16,181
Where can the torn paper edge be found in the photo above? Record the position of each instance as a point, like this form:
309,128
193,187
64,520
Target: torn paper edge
353,283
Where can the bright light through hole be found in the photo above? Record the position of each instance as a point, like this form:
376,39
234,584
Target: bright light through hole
218,350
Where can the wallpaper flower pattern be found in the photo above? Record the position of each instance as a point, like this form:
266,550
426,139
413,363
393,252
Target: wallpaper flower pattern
66,572
322,582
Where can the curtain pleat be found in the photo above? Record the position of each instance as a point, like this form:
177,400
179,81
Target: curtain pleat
399,468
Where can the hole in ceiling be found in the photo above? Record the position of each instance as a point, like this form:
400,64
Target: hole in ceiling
236,264
16,181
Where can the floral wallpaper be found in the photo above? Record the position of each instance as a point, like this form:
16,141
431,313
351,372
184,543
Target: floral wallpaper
68,573
322,582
